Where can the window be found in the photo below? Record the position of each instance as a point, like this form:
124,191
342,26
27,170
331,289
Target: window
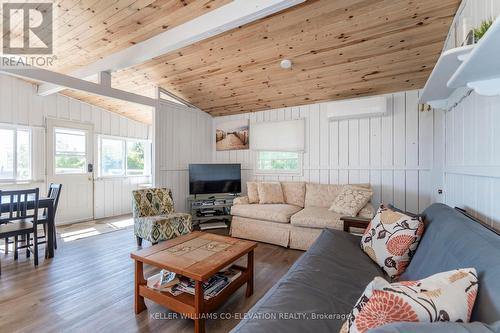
124,157
15,154
70,151
135,158
279,162
112,157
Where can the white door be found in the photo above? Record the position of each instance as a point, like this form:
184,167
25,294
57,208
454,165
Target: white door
70,163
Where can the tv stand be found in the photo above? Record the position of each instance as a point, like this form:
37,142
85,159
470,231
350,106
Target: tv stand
210,211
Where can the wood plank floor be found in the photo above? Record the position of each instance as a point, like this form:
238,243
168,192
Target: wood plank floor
88,287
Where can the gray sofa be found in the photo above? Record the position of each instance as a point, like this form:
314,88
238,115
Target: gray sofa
329,278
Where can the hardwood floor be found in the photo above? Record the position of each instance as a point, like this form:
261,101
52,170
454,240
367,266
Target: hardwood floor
88,287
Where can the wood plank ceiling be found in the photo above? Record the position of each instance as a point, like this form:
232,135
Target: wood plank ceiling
339,48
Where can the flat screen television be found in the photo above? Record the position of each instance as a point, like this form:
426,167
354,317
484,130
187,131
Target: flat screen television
214,178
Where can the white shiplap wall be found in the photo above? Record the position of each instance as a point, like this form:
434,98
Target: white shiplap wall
21,105
394,152
182,136
470,162
472,159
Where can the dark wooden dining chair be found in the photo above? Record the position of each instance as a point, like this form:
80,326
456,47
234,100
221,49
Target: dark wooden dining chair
21,219
54,193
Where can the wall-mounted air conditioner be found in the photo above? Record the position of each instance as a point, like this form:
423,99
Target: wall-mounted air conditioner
357,108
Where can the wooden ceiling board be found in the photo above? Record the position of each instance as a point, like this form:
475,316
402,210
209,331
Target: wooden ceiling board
339,48
112,30
133,111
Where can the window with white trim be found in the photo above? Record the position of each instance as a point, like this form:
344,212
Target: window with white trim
124,157
279,162
15,154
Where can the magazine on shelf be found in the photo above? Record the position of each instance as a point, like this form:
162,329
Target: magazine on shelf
163,281
211,288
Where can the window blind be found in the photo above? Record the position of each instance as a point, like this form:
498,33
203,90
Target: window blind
278,136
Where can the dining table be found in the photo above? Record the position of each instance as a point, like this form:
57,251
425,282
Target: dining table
43,203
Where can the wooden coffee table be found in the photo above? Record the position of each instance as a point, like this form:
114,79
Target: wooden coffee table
199,256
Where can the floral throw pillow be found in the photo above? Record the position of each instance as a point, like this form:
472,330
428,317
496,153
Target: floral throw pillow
447,296
391,240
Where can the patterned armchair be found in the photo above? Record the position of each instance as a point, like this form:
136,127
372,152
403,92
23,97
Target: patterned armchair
154,216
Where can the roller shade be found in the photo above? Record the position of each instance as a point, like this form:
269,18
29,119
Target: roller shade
278,136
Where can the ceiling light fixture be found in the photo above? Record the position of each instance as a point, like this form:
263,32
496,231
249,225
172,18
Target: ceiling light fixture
286,64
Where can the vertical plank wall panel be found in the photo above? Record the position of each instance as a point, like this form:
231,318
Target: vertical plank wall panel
358,150
472,163
183,135
20,105
471,138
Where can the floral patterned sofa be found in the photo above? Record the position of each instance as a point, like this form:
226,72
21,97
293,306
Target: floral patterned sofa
296,223
154,216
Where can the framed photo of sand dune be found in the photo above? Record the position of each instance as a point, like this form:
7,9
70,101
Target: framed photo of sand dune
232,135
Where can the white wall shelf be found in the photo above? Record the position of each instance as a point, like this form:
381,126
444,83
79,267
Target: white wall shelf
436,91
475,67
481,70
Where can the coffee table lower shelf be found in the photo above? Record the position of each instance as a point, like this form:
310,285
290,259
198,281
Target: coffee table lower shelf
176,255
185,303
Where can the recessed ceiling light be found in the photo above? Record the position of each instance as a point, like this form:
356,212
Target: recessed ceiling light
286,64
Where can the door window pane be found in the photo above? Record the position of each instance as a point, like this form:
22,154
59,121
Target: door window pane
23,155
70,141
135,158
70,152
6,154
112,161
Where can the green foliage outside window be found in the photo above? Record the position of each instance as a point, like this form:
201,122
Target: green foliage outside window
135,155
285,161
70,162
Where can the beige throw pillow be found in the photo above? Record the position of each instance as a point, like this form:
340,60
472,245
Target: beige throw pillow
351,199
252,192
270,193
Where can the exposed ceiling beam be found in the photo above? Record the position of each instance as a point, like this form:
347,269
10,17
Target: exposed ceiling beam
69,82
104,78
217,21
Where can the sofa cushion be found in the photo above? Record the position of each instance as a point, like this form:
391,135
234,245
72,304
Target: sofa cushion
252,192
317,217
441,327
270,193
351,199
446,296
321,195
317,284
452,241
241,200
268,212
294,193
